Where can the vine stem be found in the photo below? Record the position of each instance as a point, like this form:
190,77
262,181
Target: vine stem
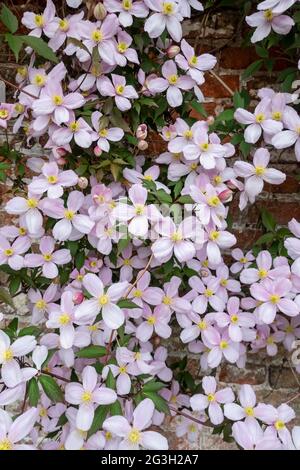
190,417
12,85
58,377
213,74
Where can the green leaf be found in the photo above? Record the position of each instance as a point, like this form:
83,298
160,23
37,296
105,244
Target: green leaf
79,260
9,19
40,47
14,285
33,392
261,51
29,330
110,381
226,115
126,303
6,298
13,325
153,386
268,220
160,403
265,239
51,388
15,44
163,197
116,409
99,417
91,352
254,67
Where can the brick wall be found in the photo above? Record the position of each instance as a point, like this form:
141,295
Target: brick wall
222,35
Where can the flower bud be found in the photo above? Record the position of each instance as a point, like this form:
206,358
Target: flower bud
61,151
143,145
100,11
210,120
226,195
97,151
78,298
61,161
83,182
141,132
172,51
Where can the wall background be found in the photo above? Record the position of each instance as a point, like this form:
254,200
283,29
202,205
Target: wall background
221,34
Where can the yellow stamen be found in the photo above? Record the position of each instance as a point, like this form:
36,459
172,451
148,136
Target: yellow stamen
151,320
120,89
39,20
63,25
57,100
260,170
74,126
41,304
52,179
103,300
48,257
69,214
86,397
173,79
64,319
122,47
97,35
167,8
5,444
134,436
9,252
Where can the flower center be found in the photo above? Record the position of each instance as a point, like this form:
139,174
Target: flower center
176,237
69,215
274,298
48,257
122,47
139,209
202,325
19,108
86,397
3,114
97,35
217,179
167,300
134,436
214,235
103,300
173,79
32,203
289,329
8,355
262,273
40,304
127,262
249,411
260,117
123,370
193,166
74,126
224,282
243,260
39,20
43,412
9,252
22,71
64,319
63,25
260,170
188,134
167,8
52,179
120,89
39,80
151,320
103,132
22,231
213,201
193,60
277,115
208,293
204,146
138,293
268,14
148,178
127,4
234,319
223,344
279,425
211,397
57,100
6,445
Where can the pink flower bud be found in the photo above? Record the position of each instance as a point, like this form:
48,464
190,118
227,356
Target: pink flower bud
210,120
61,161
172,51
78,298
226,195
141,132
100,11
143,145
83,182
97,151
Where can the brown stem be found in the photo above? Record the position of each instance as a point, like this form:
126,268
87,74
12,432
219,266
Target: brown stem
190,417
58,377
213,74
12,85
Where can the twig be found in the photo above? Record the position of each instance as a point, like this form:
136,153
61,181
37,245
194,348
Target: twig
190,417
213,74
58,377
21,90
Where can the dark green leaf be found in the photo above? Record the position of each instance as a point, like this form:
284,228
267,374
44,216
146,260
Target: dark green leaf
91,352
153,386
40,47
51,388
99,417
126,303
160,403
15,44
9,19
33,392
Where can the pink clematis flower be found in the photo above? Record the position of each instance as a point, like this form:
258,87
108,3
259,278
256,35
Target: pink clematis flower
238,322
100,35
247,409
257,173
204,295
242,261
121,372
11,254
264,269
11,371
127,9
123,51
117,89
77,129
65,28
29,208
271,295
42,302
250,436
48,259
258,122
62,317
101,301
154,321
278,6
6,112
186,6
12,432
266,21
53,181
194,65
220,345
166,16
86,395
142,293
105,135
71,223
174,240
204,149
134,436
172,83
212,400
40,23
289,137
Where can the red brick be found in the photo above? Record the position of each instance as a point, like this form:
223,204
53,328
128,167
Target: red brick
237,58
214,89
